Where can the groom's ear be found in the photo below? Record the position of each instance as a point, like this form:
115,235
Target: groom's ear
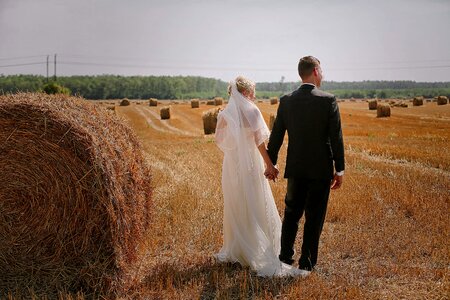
316,71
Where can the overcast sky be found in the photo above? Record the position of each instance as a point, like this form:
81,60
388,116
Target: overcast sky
262,39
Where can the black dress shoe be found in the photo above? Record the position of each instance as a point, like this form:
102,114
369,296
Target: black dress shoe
306,268
305,264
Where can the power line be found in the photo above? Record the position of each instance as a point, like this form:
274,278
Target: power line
24,64
20,57
178,67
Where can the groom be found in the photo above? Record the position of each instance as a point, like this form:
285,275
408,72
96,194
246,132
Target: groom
311,118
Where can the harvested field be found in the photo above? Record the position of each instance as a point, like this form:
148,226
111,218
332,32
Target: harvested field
386,231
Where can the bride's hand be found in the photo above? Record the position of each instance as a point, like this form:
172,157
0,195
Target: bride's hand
271,172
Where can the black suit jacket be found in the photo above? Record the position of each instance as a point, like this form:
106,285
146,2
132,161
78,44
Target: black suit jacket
311,118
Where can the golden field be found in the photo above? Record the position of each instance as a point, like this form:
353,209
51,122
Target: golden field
386,233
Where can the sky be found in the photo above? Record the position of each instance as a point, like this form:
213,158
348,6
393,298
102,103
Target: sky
355,40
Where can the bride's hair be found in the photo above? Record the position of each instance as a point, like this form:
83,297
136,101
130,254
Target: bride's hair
242,84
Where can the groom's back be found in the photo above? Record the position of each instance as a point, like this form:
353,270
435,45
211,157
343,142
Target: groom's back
306,115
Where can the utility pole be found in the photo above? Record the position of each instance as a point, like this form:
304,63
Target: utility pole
54,77
48,57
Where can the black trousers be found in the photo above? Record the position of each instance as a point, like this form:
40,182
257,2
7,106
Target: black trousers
310,197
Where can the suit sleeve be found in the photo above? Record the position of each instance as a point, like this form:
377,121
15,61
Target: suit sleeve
277,135
335,134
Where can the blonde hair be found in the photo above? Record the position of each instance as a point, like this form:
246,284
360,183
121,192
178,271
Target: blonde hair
243,84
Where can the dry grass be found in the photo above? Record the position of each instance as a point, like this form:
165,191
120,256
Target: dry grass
385,235
74,197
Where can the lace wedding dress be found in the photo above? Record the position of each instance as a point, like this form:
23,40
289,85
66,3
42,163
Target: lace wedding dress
251,223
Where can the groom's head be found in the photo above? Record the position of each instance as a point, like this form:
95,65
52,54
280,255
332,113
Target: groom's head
309,70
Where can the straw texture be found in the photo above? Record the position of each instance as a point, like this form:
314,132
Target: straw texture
74,196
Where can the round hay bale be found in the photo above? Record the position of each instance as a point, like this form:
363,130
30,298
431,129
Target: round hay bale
124,102
195,103
218,101
153,102
402,104
274,100
211,102
442,100
165,113
271,121
418,101
74,197
210,120
373,104
383,110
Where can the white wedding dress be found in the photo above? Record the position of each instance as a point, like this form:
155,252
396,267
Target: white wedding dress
251,223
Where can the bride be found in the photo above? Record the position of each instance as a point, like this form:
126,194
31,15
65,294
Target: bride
251,224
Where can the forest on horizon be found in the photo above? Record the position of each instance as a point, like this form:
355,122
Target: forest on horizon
188,87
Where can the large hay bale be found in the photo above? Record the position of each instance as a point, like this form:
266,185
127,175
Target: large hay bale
274,100
153,102
211,102
271,121
373,104
74,197
218,101
442,100
195,103
418,101
124,102
210,120
165,113
383,110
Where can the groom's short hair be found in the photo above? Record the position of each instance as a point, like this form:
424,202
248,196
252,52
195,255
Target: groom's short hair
306,65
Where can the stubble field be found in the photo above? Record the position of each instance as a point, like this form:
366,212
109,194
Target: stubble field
386,233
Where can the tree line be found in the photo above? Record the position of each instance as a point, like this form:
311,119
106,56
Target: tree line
187,87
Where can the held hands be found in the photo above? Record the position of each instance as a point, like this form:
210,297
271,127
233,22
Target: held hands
337,181
271,172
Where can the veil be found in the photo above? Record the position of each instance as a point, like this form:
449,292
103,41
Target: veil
240,126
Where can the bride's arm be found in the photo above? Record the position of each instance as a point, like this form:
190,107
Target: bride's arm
270,168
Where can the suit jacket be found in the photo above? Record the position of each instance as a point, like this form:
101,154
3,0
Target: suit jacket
311,118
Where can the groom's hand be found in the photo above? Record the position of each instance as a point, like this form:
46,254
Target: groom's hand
337,181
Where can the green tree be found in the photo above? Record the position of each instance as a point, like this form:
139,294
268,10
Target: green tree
54,88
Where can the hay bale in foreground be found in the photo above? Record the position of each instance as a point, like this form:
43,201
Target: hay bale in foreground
383,110
195,103
418,101
75,205
125,102
218,101
271,121
210,120
274,100
442,100
373,104
153,102
165,113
